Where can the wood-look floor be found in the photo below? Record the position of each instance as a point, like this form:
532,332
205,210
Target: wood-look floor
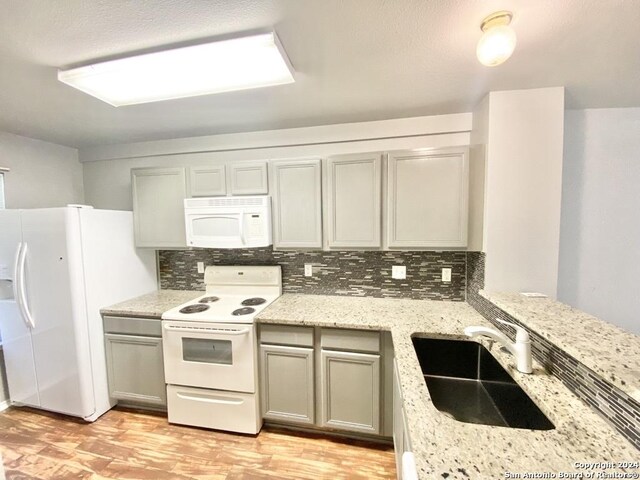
127,444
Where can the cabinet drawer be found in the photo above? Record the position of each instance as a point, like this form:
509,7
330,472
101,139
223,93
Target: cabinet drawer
287,335
356,340
133,326
237,412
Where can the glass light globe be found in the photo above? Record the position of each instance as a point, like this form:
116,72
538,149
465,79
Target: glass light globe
496,45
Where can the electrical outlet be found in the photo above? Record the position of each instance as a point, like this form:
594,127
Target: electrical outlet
200,267
399,272
446,274
308,270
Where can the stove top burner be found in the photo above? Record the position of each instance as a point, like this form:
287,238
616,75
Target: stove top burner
243,311
198,307
209,299
253,301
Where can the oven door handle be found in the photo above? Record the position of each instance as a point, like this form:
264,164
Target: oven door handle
219,331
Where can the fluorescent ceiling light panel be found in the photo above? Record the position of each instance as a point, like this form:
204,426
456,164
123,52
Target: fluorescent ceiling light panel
225,66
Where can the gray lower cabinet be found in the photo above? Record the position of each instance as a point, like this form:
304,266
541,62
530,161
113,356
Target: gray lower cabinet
135,366
351,391
331,378
287,383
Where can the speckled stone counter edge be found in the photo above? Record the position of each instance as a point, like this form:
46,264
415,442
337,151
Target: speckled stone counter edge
446,448
151,305
603,395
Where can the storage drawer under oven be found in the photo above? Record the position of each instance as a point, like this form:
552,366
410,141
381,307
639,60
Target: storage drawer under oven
235,412
210,355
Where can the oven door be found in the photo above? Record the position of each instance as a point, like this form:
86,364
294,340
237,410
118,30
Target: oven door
210,355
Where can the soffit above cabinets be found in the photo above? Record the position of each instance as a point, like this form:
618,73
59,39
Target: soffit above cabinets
353,64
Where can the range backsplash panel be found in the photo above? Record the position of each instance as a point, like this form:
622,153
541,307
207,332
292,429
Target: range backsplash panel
615,406
354,273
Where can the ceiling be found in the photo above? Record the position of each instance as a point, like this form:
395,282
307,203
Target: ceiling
356,60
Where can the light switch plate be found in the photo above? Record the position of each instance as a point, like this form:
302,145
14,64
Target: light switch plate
308,270
200,267
399,272
446,274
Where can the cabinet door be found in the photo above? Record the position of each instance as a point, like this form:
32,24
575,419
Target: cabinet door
158,206
207,181
286,383
353,200
427,198
135,369
351,391
248,178
297,203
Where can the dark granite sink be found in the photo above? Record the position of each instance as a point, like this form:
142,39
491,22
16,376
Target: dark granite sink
466,382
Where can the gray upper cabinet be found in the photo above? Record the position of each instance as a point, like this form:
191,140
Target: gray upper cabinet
207,181
296,198
427,198
247,178
158,206
353,201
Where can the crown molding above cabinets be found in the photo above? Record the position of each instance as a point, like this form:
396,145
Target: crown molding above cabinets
451,127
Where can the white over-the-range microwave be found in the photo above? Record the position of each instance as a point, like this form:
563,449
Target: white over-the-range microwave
228,222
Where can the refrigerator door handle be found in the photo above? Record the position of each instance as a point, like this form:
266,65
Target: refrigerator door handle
17,292
16,274
20,291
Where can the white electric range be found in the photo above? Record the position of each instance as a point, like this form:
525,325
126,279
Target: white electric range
211,352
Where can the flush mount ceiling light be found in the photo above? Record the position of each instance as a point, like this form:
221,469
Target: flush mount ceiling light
223,66
498,40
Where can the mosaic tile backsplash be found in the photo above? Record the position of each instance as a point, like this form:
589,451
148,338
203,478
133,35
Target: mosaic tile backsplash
352,273
615,406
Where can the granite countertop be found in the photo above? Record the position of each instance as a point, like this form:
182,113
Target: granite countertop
151,305
443,447
606,349
446,448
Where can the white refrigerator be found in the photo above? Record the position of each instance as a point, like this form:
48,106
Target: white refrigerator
58,267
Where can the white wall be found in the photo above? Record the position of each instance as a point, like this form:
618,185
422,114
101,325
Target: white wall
600,229
41,174
523,181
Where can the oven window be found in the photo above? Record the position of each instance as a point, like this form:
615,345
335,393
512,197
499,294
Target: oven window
204,350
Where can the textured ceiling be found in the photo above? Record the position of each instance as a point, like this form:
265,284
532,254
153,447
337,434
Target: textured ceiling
356,60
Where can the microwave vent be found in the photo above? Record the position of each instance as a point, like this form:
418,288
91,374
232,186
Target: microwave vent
226,202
